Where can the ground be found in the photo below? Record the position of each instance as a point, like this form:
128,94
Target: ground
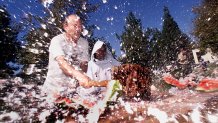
183,106
22,102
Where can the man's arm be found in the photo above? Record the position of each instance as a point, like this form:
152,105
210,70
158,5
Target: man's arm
84,80
70,71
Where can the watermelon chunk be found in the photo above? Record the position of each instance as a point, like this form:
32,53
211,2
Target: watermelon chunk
111,94
207,85
172,81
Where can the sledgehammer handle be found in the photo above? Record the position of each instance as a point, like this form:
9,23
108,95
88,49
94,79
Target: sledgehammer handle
98,84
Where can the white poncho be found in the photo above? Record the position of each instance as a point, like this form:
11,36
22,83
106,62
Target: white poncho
101,70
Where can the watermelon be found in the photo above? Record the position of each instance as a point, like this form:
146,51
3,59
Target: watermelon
207,85
75,101
63,100
172,81
113,89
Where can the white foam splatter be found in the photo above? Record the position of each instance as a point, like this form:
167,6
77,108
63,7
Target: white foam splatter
60,121
43,26
46,34
93,115
126,106
110,18
43,115
139,118
46,3
81,119
1,10
104,1
85,32
32,111
13,116
212,118
115,7
160,115
196,114
97,27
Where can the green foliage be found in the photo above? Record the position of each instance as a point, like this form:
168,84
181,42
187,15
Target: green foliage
133,42
206,23
169,38
41,29
9,46
152,47
153,36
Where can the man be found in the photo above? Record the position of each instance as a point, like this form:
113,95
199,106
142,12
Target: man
182,56
184,63
68,58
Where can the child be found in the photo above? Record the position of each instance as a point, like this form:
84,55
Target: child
99,67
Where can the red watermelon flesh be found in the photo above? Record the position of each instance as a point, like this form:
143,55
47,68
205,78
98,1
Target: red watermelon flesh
63,99
208,85
172,81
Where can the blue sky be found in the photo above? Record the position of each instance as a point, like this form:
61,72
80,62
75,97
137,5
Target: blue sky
110,18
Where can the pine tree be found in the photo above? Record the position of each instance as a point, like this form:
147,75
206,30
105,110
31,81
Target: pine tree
206,23
154,36
169,38
133,42
9,46
43,28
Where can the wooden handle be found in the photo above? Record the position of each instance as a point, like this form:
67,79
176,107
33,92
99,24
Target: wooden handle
98,84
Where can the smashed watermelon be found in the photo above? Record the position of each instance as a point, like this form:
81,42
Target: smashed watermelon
207,85
112,88
172,81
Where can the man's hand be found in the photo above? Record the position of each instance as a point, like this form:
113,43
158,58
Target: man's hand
70,71
85,84
84,80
